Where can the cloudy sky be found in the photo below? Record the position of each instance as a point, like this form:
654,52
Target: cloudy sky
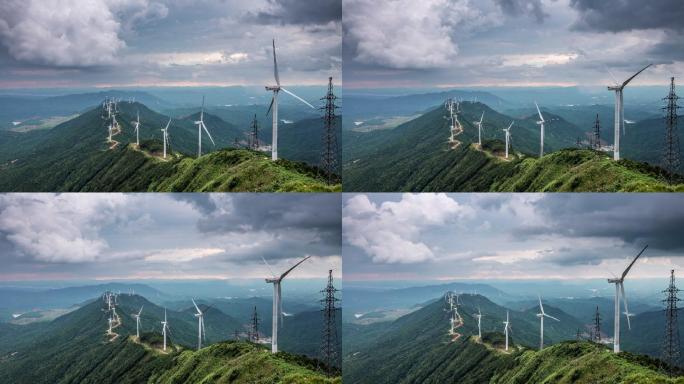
510,236
166,236
74,43
449,43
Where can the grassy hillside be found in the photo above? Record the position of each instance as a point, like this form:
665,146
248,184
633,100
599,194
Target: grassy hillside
416,157
74,348
417,348
581,362
75,156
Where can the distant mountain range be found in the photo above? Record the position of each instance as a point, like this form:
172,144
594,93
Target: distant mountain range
75,156
417,348
416,156
75,348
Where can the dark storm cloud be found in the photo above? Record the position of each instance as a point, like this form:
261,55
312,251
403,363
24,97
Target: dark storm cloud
314,213
627,15
657,222
300,12
523,7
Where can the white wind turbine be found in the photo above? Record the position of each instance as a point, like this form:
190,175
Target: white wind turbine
508,137
507,326
137,129
200,318
277,301
541,316
619,112
165,327
165,133
620,293
541,131
478,315
137,322
273,108
479,130
200,126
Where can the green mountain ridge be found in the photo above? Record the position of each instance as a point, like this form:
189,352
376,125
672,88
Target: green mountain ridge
74,348
74,156
415,156
417,348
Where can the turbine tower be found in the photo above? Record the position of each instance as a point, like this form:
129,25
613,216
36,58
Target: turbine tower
165,326
507,326
165,133
137,130
200,318
478,315
273,108
619,112
541,316
277,303
479,130
620,293
508,137
200,126
137,322
541,131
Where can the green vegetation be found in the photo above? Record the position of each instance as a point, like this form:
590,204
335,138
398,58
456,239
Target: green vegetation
581,362
74,156
417,348
415,156
74,348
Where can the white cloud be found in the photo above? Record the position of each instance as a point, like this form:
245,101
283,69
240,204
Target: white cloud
181,255
70,32
410,34
390,232
50,228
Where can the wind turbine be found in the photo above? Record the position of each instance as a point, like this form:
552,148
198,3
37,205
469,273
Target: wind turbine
479,130
273,108
541,316
200,318
508,137
620,293
200,126
507,326
165,326
137,129
541,130
478,315
165,133
277,303
619,112
137,322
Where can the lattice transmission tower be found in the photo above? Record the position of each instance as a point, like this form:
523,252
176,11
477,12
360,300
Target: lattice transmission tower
330,343
329,154
671,151
671,342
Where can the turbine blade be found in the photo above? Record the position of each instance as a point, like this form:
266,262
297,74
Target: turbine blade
270,106
624,300
297,97
202,110
624,274
635,75
141,308
293,267
275,65
481,117
269,266
208,134
196,307
551,317
167,124
541,306
539,112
